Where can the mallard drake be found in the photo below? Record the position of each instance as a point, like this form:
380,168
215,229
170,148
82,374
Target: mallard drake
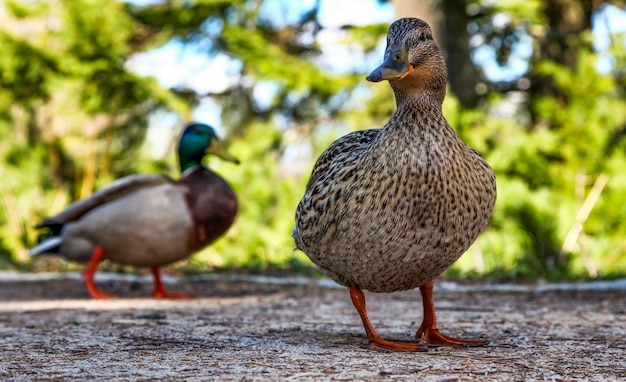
148,220
390,209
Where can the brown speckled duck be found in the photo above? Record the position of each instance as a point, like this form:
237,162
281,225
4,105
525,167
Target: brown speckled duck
148,220
390,209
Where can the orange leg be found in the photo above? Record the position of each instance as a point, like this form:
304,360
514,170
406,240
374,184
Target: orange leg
376,342
428,331
96,257
159,288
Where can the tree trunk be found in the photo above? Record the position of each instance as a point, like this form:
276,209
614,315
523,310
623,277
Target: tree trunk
566,20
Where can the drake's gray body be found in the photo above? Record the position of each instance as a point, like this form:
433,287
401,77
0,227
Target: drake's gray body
160,242
144,220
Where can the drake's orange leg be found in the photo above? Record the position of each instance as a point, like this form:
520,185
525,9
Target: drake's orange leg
159,288
375,341
428,331
96,257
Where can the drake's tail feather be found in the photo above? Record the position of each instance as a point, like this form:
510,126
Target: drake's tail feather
51,245
49,241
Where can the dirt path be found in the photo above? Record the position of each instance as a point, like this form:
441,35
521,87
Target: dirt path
303,330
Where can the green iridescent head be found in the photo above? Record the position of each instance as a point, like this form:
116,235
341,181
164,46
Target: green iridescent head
196,142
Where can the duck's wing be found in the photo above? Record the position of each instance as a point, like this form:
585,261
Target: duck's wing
338,162
345,150
113,191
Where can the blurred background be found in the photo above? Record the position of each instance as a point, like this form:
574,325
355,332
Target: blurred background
92,90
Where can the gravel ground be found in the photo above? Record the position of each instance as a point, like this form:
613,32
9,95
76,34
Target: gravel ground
249,329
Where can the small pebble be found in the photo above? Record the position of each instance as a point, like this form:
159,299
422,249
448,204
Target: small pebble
151,316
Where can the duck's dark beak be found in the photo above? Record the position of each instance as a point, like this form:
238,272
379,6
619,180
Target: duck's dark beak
219,151
395,67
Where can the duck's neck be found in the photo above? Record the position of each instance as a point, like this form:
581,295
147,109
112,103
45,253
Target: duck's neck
419,114
417,100
189,160
189,170
426,85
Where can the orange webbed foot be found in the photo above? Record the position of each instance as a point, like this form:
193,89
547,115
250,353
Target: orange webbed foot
435,337
159,288
172,295
428,331
376,342
381,344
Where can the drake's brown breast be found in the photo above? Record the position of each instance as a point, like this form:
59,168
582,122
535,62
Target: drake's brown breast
213,207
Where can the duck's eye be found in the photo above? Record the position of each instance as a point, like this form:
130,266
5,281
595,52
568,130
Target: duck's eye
197,132
397,57
422,37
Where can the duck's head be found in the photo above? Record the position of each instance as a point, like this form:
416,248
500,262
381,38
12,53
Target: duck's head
413,62
196,142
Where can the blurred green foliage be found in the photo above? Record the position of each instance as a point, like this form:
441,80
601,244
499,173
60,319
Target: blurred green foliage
73,117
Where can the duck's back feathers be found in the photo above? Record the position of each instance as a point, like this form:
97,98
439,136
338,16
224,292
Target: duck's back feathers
113,191
338,161
346,149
